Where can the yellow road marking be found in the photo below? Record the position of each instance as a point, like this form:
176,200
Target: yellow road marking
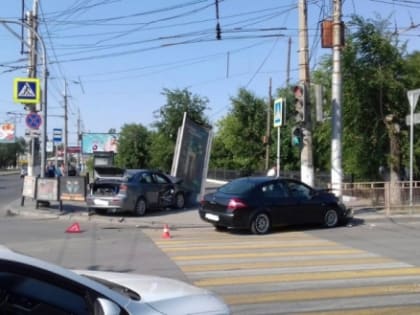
268,254
318,294
308,276
392,310
284,264
251,246
210,238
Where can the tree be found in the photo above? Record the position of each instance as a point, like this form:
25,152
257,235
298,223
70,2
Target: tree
9,152
238,143
169,119
374,94
133,147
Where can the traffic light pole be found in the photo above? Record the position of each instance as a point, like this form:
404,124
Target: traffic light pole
336,146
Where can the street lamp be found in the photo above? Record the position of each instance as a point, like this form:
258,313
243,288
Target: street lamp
44,90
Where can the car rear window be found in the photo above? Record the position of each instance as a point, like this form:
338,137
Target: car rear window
238,186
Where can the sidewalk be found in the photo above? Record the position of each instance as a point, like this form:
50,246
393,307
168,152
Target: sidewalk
186,218
363,211
72,211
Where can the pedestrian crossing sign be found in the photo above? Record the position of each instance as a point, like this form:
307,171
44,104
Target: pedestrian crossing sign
27,91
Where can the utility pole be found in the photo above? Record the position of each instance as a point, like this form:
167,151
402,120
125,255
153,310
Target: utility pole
32,20
268,132
289,50
337,95
306,155
65,130
78,141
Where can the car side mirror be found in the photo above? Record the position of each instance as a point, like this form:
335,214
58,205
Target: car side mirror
105,307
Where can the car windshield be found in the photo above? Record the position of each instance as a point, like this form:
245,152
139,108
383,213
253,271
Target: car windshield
238,186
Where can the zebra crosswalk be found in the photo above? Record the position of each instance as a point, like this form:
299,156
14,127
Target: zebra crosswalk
293,273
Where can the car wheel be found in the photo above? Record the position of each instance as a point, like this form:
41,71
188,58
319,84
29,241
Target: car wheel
179,201
331,218
140,209
261,224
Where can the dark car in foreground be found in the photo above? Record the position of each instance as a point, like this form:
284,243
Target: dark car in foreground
33,286
134,190
260,203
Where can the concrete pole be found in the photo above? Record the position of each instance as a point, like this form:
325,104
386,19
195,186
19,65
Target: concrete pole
336,146
78,142
306,155
65,130
268,131
289,51
44,91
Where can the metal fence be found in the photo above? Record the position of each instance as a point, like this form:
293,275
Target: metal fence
393,198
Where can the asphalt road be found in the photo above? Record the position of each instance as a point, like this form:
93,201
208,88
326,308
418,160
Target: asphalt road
368,267
10,188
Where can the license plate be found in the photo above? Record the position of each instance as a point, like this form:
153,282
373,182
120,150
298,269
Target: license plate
100,202
212,217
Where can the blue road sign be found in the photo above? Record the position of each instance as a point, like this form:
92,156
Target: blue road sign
279,105
57,134
26,90
33,120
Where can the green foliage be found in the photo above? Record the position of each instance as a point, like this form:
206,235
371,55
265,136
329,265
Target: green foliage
238,143
162,151
133,147
169,120
169,116
374,88
10,151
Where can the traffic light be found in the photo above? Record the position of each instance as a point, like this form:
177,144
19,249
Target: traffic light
297,136
300,103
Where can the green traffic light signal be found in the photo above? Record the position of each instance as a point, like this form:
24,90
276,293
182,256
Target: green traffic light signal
297,136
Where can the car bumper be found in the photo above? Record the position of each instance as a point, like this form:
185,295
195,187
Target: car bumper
112,203
231,220
347,215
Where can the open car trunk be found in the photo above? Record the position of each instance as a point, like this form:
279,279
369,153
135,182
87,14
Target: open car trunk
107,181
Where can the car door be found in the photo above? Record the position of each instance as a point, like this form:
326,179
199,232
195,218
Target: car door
29,290
165,190
149,189
278,201
307,209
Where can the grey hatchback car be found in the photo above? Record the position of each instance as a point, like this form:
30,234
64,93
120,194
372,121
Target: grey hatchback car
134,190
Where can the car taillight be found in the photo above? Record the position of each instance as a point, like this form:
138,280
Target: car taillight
123,189
235,204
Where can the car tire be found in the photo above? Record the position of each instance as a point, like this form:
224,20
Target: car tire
179,201
331,218
261,223
141,207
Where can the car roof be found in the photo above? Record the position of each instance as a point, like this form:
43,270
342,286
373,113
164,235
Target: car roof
8,255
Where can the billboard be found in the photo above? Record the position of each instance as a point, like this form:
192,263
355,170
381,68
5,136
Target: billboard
99,142
7,133
192,155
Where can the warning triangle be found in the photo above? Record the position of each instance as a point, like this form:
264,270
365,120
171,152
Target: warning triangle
26,91
74,228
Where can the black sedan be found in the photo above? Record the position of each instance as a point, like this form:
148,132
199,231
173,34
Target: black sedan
260,203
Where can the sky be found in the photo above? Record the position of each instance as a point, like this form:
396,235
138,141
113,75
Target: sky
116,57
